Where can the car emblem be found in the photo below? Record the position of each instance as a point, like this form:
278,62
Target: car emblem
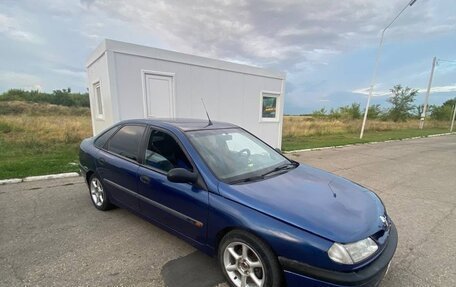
384,221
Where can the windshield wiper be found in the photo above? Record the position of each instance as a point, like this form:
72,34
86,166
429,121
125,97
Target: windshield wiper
248,179
286,166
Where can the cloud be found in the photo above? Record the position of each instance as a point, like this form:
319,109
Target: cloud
440,89
382,93
10,28
20,80
70,72
375,93
272,32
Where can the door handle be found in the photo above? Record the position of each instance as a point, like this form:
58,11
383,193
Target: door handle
101,161
145,179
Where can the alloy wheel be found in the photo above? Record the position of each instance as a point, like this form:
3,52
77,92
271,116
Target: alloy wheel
96,191
243,265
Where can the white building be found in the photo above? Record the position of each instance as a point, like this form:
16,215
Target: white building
129,81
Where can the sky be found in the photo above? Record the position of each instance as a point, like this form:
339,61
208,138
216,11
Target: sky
326,48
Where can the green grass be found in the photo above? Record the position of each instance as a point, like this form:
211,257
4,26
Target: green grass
31,158
18,161
305,142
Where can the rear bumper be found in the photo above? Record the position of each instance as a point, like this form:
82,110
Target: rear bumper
301,274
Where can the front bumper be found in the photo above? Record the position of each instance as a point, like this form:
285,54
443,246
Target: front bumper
301,274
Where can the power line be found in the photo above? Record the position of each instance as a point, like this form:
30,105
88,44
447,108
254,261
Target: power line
443,60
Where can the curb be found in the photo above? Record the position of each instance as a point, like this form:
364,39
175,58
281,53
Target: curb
39,177
355,144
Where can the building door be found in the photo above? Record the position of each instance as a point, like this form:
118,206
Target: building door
158,95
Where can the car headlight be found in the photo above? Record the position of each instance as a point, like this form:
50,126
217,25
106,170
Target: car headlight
352,253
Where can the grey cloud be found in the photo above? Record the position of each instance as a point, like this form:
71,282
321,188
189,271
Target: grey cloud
271,33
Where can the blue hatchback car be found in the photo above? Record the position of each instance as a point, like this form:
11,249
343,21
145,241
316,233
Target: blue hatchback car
269,220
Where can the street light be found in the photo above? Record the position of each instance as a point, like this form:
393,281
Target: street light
374,75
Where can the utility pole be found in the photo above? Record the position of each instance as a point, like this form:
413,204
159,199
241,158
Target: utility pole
452,121
377,59
425,107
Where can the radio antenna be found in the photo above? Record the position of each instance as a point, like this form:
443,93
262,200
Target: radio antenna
207,114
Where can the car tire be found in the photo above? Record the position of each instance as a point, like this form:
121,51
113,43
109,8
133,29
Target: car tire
246,260
98,194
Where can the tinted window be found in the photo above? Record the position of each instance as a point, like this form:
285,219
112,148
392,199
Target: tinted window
164,153
126,141
103,138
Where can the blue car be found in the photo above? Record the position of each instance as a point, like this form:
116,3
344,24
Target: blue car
270,221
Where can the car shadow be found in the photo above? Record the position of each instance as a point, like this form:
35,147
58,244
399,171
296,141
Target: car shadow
193,270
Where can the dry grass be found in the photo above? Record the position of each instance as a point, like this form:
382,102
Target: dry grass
44,130
295,126
40,109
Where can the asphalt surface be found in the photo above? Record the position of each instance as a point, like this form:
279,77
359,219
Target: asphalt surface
51,235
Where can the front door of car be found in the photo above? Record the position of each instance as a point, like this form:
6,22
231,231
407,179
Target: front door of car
182,207
118,167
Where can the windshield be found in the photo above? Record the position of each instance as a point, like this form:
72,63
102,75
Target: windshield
235,155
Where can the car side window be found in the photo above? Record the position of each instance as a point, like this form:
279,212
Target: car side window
164,153
103,138
126,141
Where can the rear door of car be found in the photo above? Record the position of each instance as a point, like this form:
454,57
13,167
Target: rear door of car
182,207
117,165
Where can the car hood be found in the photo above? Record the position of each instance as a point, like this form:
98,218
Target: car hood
313,200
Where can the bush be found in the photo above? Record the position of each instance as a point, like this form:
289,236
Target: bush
319,113
350,112
375,112
62,97
443,112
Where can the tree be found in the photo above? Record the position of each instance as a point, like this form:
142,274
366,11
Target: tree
402,100
443,112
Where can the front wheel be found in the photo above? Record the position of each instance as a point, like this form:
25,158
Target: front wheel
247,261
98,194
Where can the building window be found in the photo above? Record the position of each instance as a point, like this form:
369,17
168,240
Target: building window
269,106
98,99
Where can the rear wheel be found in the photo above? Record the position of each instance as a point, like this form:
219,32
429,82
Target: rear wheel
98,194
247,261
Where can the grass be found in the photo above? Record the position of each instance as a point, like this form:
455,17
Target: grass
42,139
37,139
302,132
314,141
19,162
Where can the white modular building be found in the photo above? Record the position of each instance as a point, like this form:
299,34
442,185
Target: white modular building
128,81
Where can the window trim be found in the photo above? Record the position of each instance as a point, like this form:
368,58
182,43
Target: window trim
275,94
97,84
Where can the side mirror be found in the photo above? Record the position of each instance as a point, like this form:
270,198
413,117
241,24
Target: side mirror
182,175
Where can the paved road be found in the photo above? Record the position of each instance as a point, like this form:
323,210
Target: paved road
50,234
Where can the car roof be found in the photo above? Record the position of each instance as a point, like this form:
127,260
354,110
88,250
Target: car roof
183,123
